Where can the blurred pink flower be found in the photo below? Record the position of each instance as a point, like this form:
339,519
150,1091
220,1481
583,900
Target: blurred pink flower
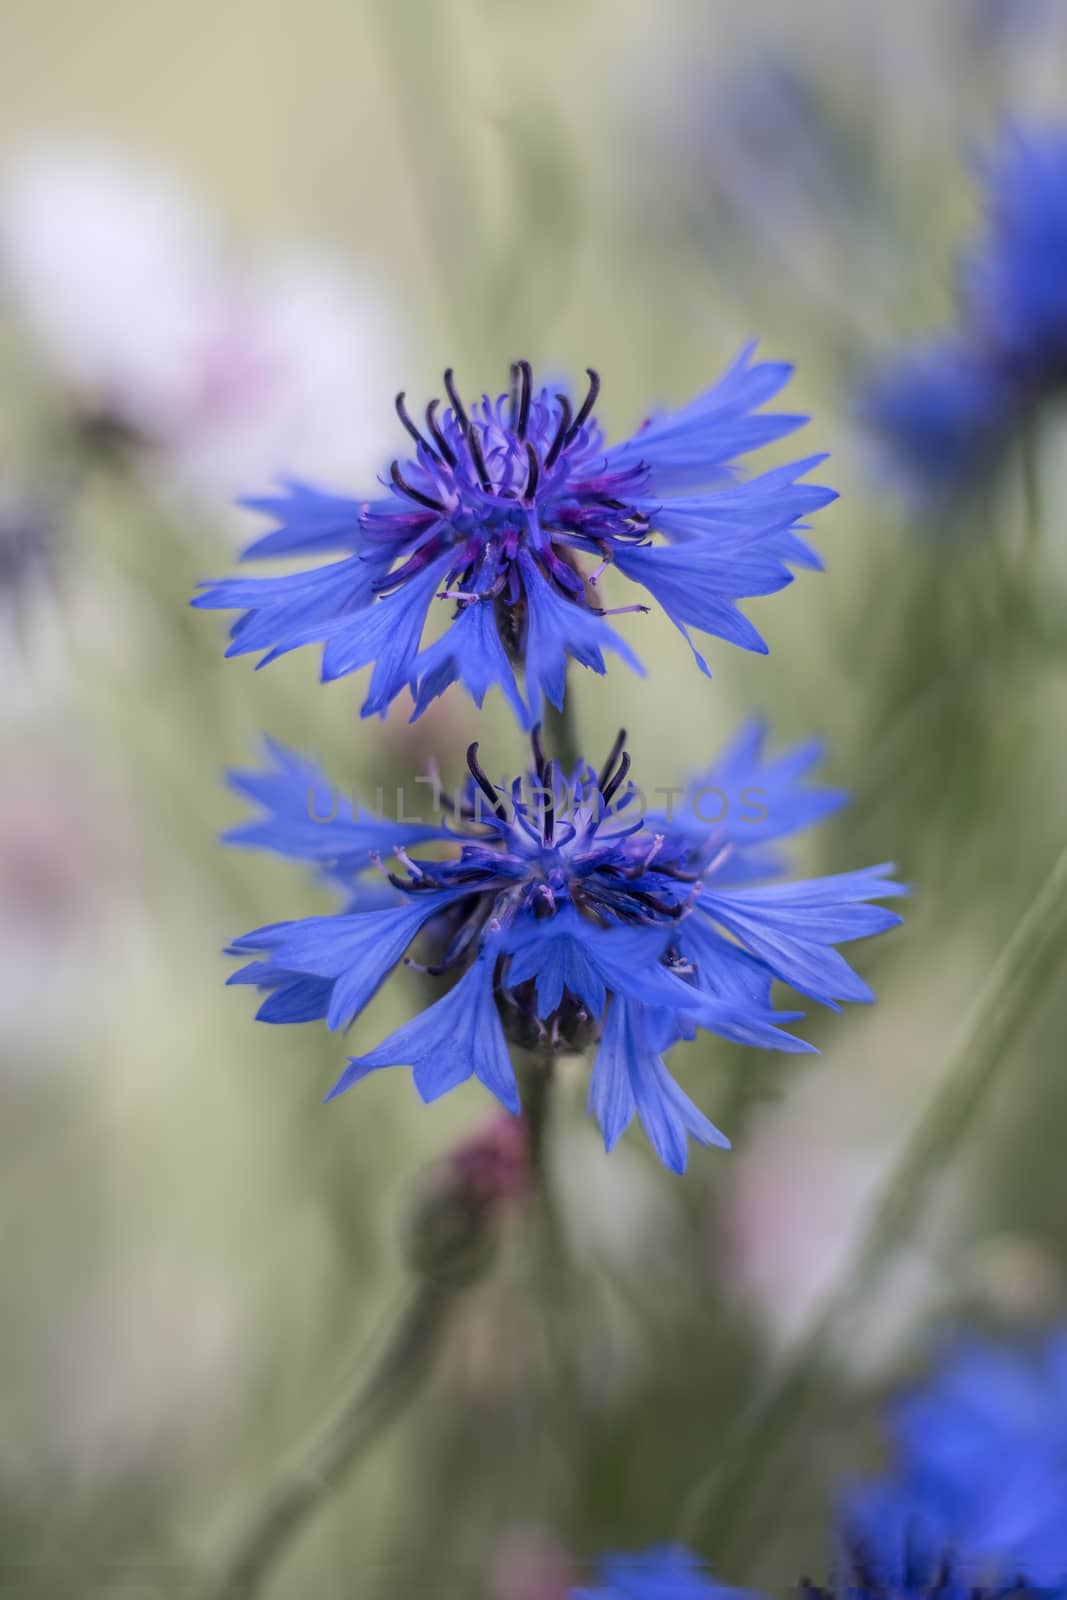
792,1222
61,861
529,1564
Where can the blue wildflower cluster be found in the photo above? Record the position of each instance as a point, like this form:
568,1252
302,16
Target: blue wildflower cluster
948,408
975,1509
509,512
558,912
563,921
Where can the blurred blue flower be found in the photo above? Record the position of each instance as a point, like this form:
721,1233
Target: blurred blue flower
29,535
947,409
942,411
1014,285
996,22
664,1572
891,1543
569,917
984,1447
496,512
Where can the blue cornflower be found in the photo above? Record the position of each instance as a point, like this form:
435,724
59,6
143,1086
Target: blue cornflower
567,917
509,512
664,1572
984,1448
891,1545
948,408
29,532
1013,280
942,411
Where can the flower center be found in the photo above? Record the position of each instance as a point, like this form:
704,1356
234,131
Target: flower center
520,475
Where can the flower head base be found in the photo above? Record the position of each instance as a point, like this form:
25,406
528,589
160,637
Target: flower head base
564,914
509,511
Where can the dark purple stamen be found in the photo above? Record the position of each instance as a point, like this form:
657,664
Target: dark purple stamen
482,780
609,790
470,433
613,755
538,749
402,413
534,472
524,404
562,432
413,494
513,397
438,437
548,796
457,403
474,444
587,404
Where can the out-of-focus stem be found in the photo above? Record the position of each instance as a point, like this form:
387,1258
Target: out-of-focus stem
1030,453
724,1511
538,1076
357,1420
561,734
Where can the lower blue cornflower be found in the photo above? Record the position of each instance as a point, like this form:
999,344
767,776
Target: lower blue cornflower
983,1447
889,1544
564,917
892,1544
975,1508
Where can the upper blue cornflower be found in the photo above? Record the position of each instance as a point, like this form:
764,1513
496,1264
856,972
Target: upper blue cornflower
664,1572
984,1448
567,918
509,512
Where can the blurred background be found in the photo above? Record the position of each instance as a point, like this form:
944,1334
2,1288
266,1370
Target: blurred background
229,233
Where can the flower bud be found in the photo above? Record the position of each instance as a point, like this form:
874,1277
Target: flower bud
453,1224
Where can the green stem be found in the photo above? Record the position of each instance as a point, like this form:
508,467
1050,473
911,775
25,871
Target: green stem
1031,476
561,734
724,1509
355,1423
538,1077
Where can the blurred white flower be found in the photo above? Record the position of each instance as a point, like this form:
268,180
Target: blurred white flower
234,373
